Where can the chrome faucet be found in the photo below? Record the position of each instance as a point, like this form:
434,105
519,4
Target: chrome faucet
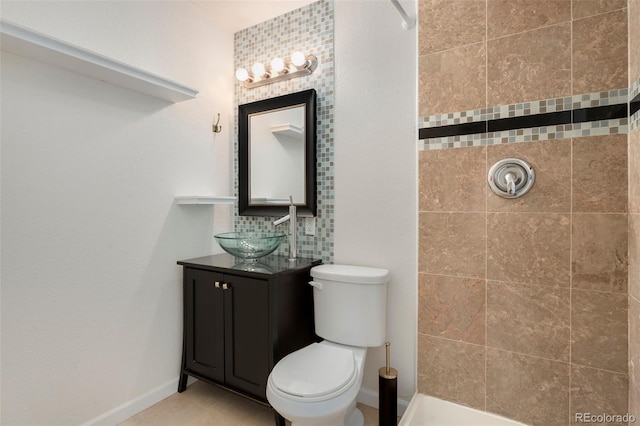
293,225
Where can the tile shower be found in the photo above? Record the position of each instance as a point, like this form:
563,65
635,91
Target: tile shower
524,303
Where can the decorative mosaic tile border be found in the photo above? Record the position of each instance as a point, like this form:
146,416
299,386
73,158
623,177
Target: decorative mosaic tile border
589,100
309,29
555,118
634,90
634,103
531,134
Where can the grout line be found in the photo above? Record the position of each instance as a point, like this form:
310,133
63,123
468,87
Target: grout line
517,33
465,277
519,353
565,212
486,282
571,228
629,296
501,349
486,207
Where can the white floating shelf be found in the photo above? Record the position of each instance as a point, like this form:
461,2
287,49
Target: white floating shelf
27,42
205,199
287,129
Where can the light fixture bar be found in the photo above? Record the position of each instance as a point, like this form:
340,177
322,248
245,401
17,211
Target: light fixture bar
310,65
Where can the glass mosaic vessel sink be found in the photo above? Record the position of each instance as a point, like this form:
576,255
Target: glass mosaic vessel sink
249,245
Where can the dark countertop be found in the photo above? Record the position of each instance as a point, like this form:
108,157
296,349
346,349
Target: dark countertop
268,265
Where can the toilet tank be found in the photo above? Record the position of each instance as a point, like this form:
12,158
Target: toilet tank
350,304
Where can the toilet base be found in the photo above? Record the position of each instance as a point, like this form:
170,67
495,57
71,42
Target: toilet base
356,419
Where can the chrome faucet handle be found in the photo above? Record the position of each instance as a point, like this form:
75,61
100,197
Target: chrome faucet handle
283,219
293,224
511,183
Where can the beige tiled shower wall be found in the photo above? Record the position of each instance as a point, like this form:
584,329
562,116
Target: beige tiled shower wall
634,220
482,53
523,304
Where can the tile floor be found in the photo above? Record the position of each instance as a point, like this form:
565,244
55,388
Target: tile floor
204,404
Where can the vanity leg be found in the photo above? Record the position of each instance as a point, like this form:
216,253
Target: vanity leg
182,384
279,419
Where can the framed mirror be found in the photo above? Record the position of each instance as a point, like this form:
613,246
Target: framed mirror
277,155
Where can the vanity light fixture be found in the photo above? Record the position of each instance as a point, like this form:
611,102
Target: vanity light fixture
297,65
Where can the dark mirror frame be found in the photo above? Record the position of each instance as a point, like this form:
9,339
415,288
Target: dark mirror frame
245,208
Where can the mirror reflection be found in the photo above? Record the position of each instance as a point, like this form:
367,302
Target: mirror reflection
277,155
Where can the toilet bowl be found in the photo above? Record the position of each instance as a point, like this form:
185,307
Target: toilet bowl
318,384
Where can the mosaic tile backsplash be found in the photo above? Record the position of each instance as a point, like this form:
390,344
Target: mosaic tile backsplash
310,30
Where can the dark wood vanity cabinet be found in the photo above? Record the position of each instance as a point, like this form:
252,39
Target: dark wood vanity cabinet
241,319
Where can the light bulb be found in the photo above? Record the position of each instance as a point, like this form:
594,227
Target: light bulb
258,69
298,59
277,65
242,74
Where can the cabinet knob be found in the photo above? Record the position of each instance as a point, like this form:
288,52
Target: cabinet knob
217,284
225,286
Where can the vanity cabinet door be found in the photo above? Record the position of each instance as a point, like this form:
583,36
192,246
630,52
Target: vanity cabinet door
204,323
238,324
246,304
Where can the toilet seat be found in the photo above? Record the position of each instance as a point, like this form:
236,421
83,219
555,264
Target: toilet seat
314,373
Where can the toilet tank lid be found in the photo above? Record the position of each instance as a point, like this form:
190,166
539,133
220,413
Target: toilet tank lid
351,274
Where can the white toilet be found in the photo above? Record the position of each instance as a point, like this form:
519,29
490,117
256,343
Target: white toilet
318,384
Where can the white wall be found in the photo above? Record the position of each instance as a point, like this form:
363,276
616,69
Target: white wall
376,168
91,294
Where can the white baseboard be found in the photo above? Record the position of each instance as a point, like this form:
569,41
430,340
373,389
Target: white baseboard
141,403
133,407
370,398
